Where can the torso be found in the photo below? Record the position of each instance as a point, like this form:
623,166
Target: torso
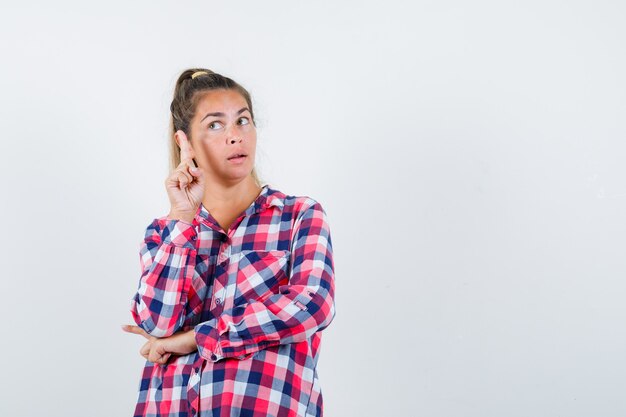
253,265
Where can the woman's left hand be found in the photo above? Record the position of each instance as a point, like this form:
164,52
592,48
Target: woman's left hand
159,350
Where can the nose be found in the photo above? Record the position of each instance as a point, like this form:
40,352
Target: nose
232,135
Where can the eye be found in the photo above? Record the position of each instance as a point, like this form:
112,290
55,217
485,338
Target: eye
213,124
244,121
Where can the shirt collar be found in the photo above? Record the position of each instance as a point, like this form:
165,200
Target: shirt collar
268,197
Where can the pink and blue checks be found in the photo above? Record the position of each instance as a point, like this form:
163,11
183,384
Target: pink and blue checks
257,299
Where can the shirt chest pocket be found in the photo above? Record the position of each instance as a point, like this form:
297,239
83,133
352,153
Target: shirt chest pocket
261,273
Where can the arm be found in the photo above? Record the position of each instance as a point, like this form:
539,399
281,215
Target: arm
304,306
168,259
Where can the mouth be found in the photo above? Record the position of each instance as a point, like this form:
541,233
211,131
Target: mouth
237,157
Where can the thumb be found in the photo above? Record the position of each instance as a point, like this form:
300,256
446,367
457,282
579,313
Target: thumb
196,172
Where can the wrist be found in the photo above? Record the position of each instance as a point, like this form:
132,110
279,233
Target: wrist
186,217
191,340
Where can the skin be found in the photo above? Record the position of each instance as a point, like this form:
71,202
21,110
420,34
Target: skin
229,188
159,350
226,189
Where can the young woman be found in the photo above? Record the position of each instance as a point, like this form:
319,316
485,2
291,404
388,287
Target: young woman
237,280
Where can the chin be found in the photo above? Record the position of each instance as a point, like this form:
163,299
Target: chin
238,176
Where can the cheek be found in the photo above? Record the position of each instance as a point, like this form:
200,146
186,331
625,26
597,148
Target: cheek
210,152
210,144
252,140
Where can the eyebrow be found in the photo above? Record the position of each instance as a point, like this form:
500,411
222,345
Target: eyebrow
220,114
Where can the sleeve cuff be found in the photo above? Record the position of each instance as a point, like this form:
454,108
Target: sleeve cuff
207,339
179,233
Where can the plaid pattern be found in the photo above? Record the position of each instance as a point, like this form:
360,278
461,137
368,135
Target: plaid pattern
257,299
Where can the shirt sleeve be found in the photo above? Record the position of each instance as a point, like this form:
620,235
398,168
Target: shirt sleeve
302,307
168,258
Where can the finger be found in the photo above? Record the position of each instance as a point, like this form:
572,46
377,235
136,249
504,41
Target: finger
158,353
183,180
165,355
136,330
153,356
183,171
196,172
188,168
186,151
145,350
145,355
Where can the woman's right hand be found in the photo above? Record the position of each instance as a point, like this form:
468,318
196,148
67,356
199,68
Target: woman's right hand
185,185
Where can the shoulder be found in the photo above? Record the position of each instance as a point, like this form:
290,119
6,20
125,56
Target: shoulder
297,204
301,210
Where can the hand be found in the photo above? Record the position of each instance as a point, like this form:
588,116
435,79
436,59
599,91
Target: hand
159,350
185,185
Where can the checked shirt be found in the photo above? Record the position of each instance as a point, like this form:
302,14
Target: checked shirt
257,299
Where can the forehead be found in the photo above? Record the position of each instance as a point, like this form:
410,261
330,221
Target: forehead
227,101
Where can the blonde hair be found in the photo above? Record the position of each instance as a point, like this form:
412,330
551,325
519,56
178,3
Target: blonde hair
188,90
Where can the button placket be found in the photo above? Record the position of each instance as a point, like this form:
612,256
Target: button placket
216,302
193,390
225,254
224,249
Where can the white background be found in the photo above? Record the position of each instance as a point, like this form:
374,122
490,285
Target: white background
470,157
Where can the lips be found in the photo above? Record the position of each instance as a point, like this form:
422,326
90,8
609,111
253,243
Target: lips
236,155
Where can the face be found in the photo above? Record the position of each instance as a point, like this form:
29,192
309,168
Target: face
221,127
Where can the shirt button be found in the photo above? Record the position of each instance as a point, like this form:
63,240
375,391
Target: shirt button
218,301
197,370
213,356
193,237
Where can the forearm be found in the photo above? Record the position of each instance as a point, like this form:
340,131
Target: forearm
290,317
181,343
168,260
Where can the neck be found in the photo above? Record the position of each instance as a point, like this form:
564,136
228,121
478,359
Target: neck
218,195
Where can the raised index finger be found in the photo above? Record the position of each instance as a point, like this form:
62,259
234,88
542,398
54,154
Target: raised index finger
186,151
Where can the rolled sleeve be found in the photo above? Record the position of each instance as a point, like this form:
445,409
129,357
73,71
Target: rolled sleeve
207,339
179,233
